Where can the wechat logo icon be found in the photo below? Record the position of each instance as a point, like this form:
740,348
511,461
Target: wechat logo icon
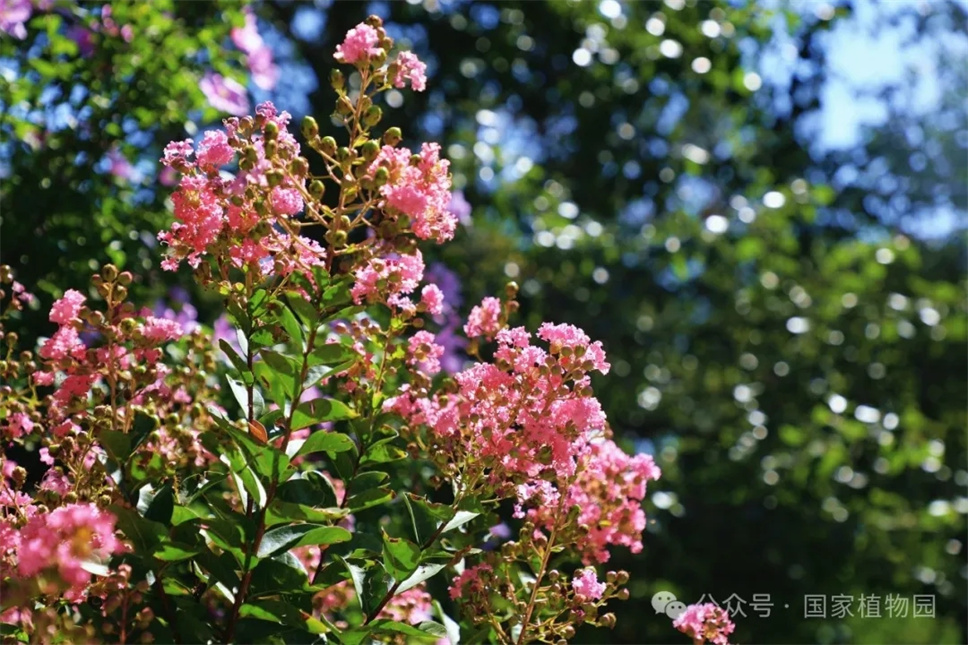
665,602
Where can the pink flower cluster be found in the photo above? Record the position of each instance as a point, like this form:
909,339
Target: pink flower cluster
706,622
389,280
484,319
523,419
586,585
258,55
361,43
82,367
410,68
65,539
413,606
219,215
608,491
418,187
423,353
473,581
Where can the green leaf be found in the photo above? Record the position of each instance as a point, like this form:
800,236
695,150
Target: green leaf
282,573
376,585
237,361
144,533
304,309
117,444
311,488
400,556
320,441
387,626
291,325
460,518
282,512
423,572
157,504
289,537
332,354
242,397
367,499
365,481
319,410
173,552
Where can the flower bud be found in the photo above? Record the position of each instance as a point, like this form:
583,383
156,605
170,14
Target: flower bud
623,594
275,177
370,150
381,177
511,289
317,189
343,154
109,272
337,80
271,131
328,146
299,167
271,148
392,136
310,128
125,278
372,115
19,476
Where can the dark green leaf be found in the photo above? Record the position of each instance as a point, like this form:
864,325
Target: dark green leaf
319,410
289,537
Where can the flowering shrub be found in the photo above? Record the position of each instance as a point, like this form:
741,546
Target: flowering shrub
341,486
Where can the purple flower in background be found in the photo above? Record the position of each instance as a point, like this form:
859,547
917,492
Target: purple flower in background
186,315
224,94
258,56
223,330
119,166
84,39
448,283
460,207
13,15
452,360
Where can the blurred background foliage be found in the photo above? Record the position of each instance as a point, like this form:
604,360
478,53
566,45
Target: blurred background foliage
785,314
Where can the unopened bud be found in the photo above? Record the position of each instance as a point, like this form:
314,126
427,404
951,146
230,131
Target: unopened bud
125,278
275,177
337,80
110,272
370,150
19,475
310,128
317,189
299,167
392,136
271,148
328,146
511,289
381,177
343,154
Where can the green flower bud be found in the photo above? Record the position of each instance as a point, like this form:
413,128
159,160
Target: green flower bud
275,177
370,150
392,136
309,127
317,189
271,131
372,115
328,146
337,80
